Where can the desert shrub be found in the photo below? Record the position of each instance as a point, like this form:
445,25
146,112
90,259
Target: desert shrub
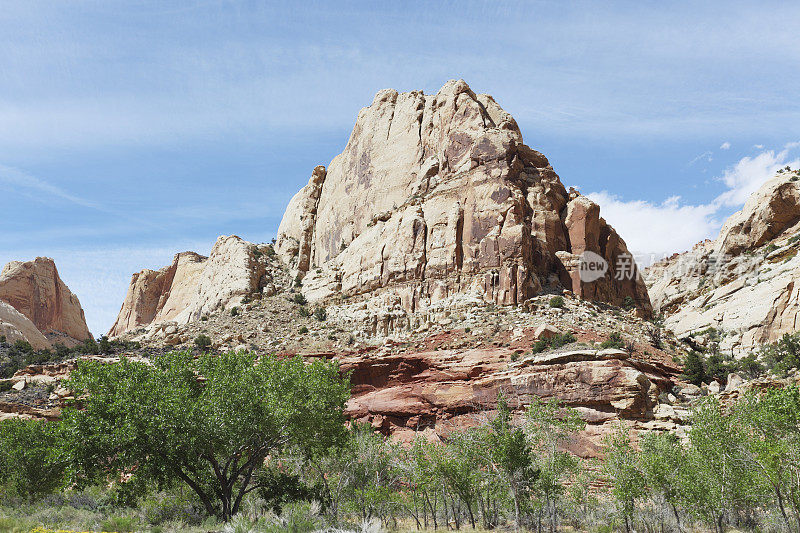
202,342
556,341
655,335
234,311
299,298
628,303
614,340
303,330
320,314
303,311
557,302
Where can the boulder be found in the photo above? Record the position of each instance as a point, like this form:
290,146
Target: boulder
546,331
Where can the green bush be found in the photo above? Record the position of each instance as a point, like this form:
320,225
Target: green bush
299,298
614,341
234,311
628,303
202,342
557,302
303,330
554,342
120,524
303,311
320,314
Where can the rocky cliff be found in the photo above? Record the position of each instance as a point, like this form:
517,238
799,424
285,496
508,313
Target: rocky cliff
746,282
194,285
36,291
437,196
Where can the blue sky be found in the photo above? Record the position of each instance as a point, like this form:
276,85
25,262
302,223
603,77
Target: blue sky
130,131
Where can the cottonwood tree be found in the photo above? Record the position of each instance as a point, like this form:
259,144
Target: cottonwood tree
208,422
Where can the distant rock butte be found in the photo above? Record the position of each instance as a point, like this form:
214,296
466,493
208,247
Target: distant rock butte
36,291
436,196
746,282
193,285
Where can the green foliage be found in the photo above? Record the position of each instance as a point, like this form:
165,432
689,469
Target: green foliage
614,340
554,342
212,433
303,330
202,342
621,466
234,311
557,302
303,311
694,371
782,355
628,303
299,298
320,314
30,460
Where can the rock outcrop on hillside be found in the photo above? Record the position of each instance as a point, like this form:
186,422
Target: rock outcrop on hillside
436,197
194,285
15,326
746,282
35,289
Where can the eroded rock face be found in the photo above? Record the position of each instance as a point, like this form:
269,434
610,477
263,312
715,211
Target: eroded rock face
440,391
746,282
15,326
437,195
193,285
35,289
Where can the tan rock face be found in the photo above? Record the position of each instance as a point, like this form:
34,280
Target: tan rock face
15,326
436,195
192,286
746,282
35,289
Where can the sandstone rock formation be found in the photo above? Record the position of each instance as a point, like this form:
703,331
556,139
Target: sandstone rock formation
746,282
35,289
440,391
15,326
193,286
437,196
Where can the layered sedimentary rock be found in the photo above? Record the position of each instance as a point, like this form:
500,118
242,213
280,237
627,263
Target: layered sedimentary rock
440,391
35,289
437,196
193,285
15,326
746,282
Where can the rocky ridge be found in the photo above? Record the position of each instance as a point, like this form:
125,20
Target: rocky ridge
35,290
436,197
194,285
745,282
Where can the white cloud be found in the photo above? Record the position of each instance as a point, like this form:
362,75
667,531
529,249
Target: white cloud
660,229
705,156
746,176
673,226
725,146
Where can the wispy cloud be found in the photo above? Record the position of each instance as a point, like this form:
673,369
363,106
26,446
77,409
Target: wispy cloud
725,146
17,178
